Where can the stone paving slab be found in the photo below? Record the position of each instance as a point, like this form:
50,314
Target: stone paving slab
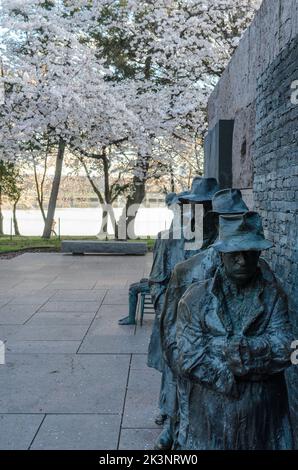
98,344
61,318
31,284
25,299
53,332
106,336
79,295
5,299
78,432
68,362
70,306
138,439
106,321
109,283
65,383
73,284
17,431
17,314
43,347
7,285
116,297
8,331
139,361
142,399
19,290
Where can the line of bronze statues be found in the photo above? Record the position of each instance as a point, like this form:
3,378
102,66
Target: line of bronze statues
221,336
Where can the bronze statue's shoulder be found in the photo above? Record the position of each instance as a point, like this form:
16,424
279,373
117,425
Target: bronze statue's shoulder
266,271
197,266
197,291
185,266
270,279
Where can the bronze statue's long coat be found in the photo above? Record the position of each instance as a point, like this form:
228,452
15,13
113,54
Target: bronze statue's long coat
246,408
166,254
199,267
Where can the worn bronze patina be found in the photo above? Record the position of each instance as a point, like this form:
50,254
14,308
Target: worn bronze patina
203,189
133,292
233,345
199,267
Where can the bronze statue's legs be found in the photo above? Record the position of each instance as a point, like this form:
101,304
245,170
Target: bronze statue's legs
160,419
133,293
168,407
127,321
165,439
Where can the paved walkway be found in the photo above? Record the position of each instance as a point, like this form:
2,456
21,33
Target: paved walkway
73,378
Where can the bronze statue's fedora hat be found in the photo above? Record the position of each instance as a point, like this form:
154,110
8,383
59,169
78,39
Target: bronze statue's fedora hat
228,201
202,190
186,193
171,199
241,232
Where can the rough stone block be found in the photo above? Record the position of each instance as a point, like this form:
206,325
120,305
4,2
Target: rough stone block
119,248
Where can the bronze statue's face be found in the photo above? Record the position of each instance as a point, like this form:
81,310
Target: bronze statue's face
241,266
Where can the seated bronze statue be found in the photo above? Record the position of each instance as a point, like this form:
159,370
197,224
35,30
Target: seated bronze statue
233,345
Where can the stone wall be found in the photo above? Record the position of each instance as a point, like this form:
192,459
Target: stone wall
274,27
275,184
255,91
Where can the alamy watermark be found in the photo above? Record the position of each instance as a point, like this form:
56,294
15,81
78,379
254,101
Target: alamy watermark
294,94
187,223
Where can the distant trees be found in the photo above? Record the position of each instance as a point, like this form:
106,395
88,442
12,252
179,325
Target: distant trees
11,186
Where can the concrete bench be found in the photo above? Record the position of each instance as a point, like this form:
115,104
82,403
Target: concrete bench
80,247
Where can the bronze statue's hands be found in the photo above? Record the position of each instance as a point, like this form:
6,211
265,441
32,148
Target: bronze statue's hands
235,353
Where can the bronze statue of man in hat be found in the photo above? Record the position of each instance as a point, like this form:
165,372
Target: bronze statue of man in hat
199,267
167,251
202,191
233,345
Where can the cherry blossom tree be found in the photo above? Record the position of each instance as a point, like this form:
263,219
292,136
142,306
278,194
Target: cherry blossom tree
56,87
172,52
87,74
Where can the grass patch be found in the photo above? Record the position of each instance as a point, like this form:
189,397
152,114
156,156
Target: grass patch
15,244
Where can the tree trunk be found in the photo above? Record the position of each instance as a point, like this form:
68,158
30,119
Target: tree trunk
138,193
15,220
103,232
40,187
39,195
139,180
55,190
172,179
105,202
1,215
109,209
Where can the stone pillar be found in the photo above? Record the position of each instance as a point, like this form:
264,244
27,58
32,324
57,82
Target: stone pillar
218,153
